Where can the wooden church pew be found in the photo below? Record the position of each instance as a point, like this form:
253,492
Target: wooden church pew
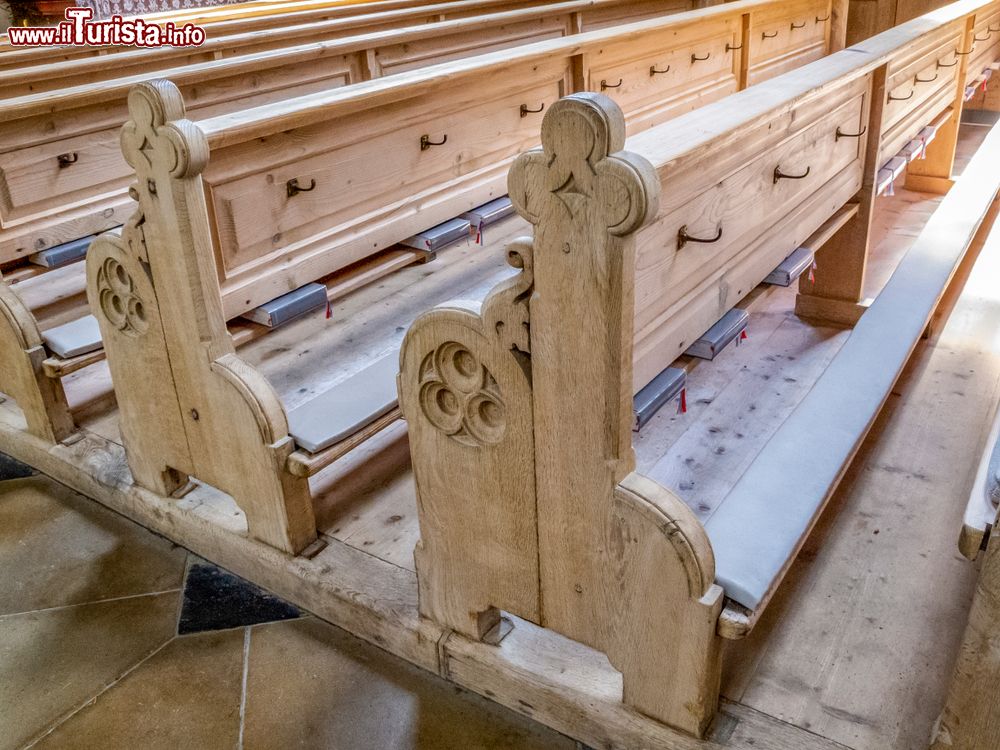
63,177
216,408
301,223
542,372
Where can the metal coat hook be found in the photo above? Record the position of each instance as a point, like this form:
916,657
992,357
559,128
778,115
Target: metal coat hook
525,111
918,79
765,35
823,20
842,134
731,48
293,188
901,98
426,142
988,35
942,65
606,85
963,54
695,58
779,175
66,159
654,72
800,26
683,237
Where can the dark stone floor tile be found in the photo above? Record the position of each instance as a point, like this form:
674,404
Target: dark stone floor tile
215,599
11,468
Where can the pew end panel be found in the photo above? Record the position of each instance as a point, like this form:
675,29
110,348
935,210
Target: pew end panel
623,566
156,298
22,376
464,388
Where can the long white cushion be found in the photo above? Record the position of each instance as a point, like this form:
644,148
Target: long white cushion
763,521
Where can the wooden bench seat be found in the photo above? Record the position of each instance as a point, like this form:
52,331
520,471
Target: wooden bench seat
763,522
62,173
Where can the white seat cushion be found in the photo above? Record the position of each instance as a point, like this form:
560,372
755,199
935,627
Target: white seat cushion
348,407
77,337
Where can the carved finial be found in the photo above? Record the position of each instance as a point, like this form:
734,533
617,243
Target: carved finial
157,140
581,170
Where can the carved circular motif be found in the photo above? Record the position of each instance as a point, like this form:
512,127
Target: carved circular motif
120,303
460,397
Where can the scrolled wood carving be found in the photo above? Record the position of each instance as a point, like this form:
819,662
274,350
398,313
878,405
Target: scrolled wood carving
582,173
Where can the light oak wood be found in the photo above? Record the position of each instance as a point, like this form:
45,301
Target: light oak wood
186,411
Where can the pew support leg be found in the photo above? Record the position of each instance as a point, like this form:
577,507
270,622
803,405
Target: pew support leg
932,174
22,376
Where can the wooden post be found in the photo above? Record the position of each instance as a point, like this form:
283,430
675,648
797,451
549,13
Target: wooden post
839,11
836,292
932,174
188,405
613,572
40,398
971,716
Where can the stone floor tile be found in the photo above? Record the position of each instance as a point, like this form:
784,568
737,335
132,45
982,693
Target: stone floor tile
53,661
185,696
59,548
311,685
215,599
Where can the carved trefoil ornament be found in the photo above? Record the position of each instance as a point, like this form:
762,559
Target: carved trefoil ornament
460,397
118,299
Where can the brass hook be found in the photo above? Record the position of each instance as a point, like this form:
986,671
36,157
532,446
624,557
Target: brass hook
918,79
731,48
293,188
606,85
794,27
683,237
765,35
66,159
842,134
901,98
426,142
779,175
695,58
654,72
525,111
